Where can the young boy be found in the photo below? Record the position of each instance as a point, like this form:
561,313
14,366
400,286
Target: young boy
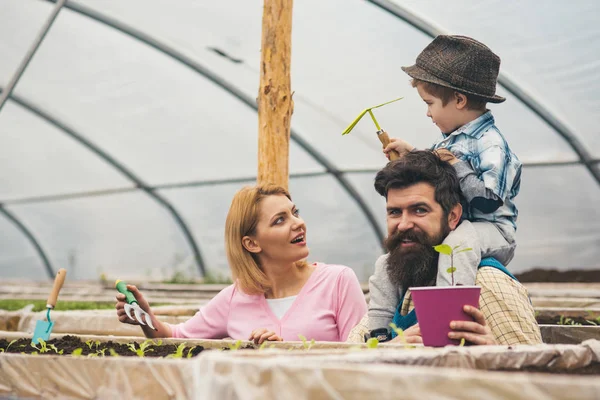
456,77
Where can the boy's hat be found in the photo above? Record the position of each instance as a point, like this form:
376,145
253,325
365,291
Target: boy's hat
460,63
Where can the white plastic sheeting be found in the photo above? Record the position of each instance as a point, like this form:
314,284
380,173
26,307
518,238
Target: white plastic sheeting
326,374
172,127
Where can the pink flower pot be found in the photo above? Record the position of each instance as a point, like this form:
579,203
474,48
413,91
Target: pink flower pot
437,306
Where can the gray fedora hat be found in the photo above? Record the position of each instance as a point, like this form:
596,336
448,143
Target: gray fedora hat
460,63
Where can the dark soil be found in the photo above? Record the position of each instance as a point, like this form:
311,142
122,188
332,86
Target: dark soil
70,343
558,320
551,275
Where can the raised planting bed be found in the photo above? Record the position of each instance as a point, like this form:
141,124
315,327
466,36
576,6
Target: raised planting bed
567,316
342,371
568,334
100,322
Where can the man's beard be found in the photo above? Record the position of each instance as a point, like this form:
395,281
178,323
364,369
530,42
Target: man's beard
415,265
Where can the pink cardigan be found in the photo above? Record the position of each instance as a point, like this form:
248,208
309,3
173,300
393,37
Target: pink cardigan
329,305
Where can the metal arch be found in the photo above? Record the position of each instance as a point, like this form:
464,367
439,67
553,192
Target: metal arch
234,91
31,238
121,168
509,84
30,53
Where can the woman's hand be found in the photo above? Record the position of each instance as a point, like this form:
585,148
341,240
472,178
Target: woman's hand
161,329
399,146
474,332
411,335
260,335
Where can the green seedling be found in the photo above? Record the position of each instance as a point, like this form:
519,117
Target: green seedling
372,343
450,251
178,352
43,347
53,347
7,347
305,343
235,346
143,349
112,352
77,352
563,320
90,344
595,322
362,114
190,354
462,342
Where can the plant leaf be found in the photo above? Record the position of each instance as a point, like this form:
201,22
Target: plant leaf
443,249
463,250
77,352
372,343
451,270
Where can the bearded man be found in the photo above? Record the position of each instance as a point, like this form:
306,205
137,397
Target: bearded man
423,203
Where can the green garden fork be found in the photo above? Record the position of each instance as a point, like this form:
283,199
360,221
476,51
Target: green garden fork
132,305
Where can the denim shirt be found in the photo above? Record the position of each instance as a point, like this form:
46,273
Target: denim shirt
485,154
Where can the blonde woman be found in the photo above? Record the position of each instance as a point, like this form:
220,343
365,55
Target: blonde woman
277,295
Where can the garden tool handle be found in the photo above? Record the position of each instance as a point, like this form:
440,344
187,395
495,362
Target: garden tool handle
385,140
122,288
58,283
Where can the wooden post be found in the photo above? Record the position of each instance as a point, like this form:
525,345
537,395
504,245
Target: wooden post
275,104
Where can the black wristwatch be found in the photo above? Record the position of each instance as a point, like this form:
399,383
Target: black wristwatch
381,334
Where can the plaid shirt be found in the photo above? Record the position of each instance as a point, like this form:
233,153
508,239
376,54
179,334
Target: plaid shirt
481,145
504,303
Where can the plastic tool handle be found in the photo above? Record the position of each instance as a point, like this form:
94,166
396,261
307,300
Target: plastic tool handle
385,140
122,288
58,283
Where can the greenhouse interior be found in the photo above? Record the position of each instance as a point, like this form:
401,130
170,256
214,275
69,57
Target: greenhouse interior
135,122
127,127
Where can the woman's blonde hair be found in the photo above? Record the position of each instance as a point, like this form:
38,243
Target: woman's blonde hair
242,220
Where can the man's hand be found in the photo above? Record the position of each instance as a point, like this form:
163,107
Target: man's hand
262,334
411,335
446,155
474,332
398,145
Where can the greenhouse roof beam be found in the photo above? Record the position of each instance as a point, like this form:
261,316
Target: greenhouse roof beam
30,53
237,93
31,238
121,168
509,84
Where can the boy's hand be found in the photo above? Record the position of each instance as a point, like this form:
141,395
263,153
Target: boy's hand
398,145
446,155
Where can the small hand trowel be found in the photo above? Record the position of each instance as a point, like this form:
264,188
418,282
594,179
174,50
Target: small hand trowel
44,328
381,134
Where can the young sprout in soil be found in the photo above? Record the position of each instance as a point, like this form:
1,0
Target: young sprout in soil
305,343
143,349
450,251
45,348
566,321
112,352
7,347
178,352
77,352
190,353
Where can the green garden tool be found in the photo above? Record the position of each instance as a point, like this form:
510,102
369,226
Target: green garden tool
132,305
381,134
44,328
